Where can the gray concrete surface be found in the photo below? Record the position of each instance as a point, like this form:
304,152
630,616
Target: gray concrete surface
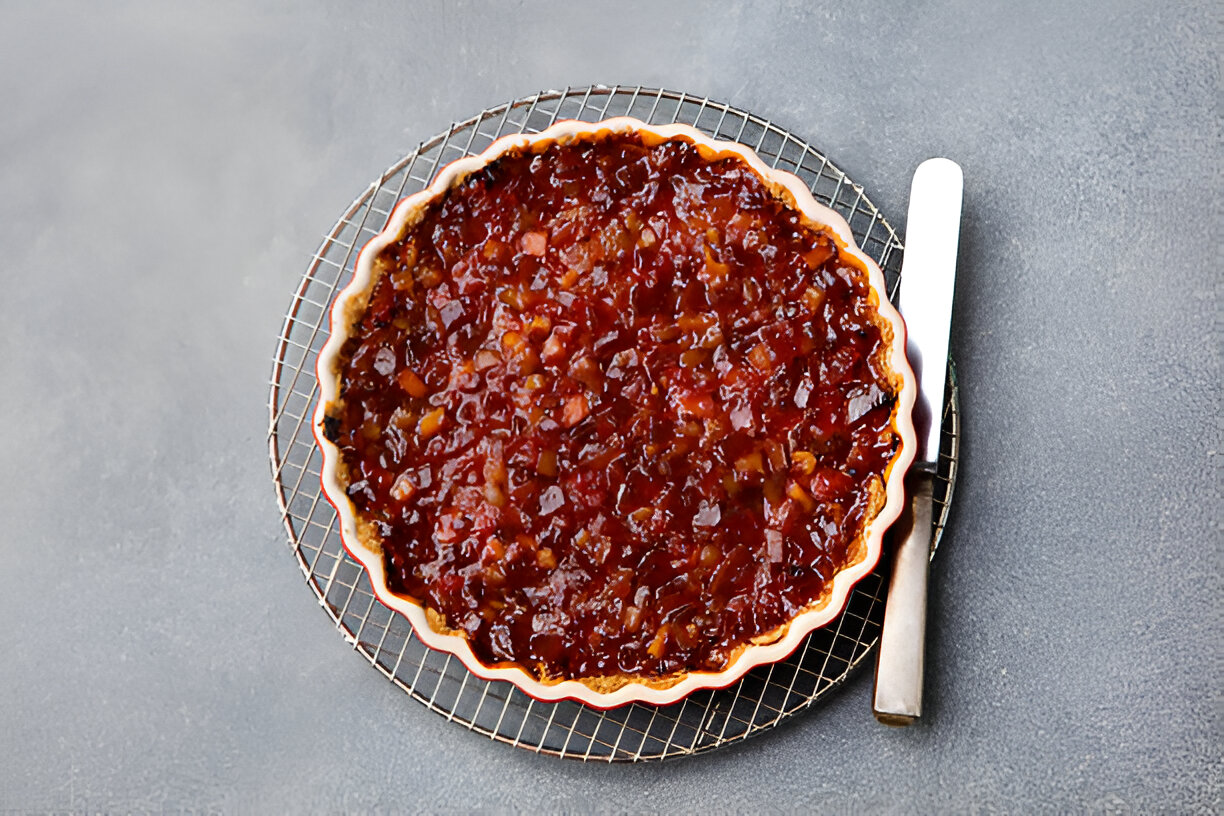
166,173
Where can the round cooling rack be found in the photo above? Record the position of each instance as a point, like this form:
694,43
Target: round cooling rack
702,721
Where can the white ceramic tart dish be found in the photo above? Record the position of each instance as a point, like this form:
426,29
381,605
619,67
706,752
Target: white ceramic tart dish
791,480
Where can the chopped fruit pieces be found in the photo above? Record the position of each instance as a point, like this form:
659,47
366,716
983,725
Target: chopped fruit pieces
483,361
614,409
817,256
512,298
410,382
773,546
546,464
586,371
656,647
750,463
715,272
803,461
493,550
813,298
697,405
554,348
538,326
403,489
535,243
693,358
495,250
431,423
576,410
775,453
760,357
796,493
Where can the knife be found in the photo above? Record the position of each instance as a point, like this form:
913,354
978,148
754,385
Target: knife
927,275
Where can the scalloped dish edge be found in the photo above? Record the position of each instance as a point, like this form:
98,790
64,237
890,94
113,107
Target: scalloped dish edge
782,641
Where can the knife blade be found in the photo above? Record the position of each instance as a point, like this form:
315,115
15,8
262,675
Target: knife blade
928,274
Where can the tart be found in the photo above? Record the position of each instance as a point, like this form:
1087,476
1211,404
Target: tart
614,412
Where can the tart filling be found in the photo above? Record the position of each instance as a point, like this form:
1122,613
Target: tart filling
612,409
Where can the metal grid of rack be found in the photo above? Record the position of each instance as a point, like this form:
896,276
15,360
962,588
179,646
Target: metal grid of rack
704,720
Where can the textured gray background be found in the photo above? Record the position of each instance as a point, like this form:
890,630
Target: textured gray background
165,175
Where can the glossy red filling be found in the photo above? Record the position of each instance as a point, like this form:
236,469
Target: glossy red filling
614,409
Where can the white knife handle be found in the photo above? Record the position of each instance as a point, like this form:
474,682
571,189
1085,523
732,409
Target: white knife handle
898,686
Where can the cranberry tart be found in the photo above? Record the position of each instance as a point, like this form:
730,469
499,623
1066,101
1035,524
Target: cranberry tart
614,412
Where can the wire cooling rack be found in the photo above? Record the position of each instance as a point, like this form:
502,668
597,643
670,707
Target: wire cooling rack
704,720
